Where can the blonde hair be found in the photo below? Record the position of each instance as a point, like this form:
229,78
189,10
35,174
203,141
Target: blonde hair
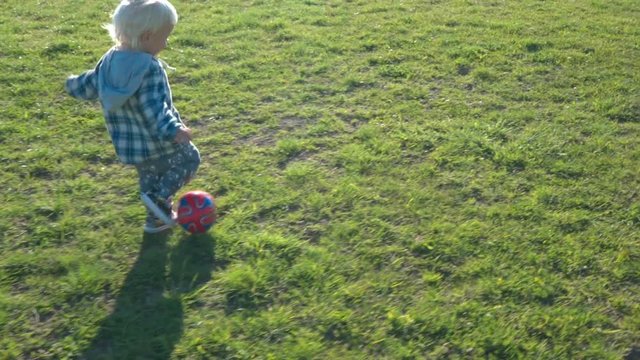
132,18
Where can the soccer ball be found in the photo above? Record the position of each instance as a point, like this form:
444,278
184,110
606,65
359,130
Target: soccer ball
196,211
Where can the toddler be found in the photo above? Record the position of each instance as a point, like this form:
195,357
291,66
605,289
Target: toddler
145,127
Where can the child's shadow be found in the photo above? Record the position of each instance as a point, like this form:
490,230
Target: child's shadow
147,319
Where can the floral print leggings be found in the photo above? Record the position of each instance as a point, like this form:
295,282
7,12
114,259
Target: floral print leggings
162,178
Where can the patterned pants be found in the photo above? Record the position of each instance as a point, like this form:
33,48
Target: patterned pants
163,177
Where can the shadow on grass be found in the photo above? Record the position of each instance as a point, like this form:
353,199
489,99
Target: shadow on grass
147,319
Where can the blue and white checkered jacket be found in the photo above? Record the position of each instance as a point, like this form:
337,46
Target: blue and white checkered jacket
134,92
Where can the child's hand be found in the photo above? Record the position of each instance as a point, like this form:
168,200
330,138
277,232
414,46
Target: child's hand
183,135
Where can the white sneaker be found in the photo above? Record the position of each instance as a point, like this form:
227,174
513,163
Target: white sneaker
160,209
155,226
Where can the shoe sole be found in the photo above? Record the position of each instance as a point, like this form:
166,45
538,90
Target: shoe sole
156,229
156,210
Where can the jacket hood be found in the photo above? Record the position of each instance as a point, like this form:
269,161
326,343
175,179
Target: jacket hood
120,75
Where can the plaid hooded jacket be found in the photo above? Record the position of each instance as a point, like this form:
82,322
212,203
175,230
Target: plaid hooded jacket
134,92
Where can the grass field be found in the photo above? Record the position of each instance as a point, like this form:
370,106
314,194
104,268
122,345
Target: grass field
396,180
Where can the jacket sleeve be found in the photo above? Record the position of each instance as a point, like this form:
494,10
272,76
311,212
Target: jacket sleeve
84,86
155,101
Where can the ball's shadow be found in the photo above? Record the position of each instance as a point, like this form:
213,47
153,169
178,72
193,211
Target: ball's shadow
147,318
191,262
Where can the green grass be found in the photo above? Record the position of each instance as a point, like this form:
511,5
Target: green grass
399,180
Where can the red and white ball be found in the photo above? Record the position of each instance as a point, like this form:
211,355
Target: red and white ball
196,211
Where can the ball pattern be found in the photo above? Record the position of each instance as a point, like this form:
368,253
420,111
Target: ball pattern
196,211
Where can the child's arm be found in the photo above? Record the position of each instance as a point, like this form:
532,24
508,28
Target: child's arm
156,105
83,86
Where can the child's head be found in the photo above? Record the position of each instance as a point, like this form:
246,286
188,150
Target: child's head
134,21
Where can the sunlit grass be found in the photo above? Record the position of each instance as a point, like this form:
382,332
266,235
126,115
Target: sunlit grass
417,179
